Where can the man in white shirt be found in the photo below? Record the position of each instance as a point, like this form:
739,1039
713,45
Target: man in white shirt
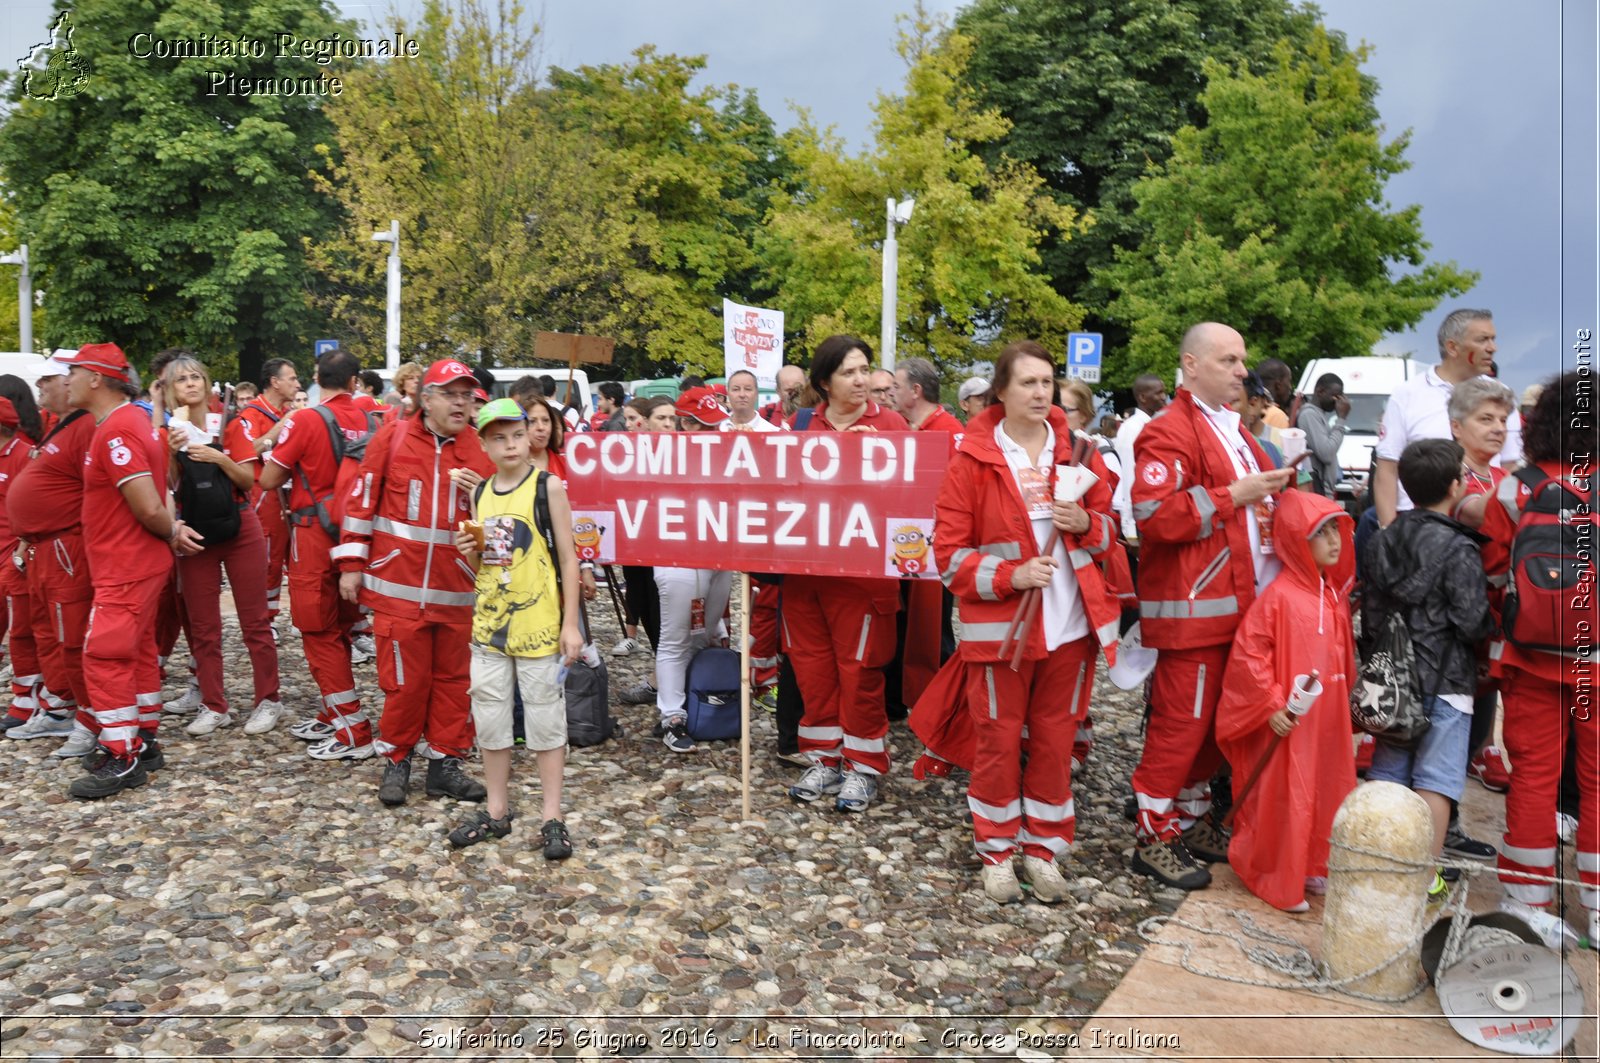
742,415
1149,396
1417,409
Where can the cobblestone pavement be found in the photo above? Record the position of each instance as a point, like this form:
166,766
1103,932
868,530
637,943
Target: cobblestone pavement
252,902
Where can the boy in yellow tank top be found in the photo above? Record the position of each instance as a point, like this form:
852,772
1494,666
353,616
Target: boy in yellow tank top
524,627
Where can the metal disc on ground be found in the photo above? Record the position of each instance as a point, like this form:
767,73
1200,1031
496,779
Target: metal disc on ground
1488,930
1520,999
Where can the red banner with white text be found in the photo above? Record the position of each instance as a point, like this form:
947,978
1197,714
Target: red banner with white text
817,503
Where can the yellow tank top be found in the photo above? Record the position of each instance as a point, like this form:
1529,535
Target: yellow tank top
518,610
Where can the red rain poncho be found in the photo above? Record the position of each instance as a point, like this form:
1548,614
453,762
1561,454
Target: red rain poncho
1301,622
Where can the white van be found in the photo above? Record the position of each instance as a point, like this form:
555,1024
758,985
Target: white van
1368,383
24,365
504,377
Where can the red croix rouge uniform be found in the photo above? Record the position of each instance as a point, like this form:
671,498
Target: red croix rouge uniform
925,602
1196,579
399,533
1549,706
44,505
322,617
255,420
840,632
27,681
130,568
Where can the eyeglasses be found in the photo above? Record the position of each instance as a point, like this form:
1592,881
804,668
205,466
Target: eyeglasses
881,393
454,398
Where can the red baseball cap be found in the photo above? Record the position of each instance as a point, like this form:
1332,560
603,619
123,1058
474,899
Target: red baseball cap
444,371
480,394
701,404
8,414
106,359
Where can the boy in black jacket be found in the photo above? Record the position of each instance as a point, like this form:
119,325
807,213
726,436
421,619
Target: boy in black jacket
1428,566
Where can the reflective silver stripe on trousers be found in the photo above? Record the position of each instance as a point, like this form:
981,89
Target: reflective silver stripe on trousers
864,745
407,593
822,734
994,813
1199,693
399,665
412,532
1184,609
1529,857
1077,688
1057,846
984,578
1047,812
866,632
1206,508
344,697
988,682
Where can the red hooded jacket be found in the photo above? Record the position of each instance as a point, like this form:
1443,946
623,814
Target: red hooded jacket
1301,622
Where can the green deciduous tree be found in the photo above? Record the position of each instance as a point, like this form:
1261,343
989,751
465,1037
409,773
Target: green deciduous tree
1094,91
1271,218
161,209
969,262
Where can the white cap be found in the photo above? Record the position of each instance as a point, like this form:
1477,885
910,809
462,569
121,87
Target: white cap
972,387
53,368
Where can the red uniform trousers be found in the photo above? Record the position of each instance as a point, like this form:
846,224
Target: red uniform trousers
58,583
26,679
839,633
1173,780
1539,722
275,529
1012,805
764,636
200,586
322,618
425,670
119,662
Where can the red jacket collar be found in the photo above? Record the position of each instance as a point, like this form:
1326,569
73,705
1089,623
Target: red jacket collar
981,444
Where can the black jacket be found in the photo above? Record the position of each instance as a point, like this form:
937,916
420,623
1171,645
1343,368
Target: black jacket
1428,566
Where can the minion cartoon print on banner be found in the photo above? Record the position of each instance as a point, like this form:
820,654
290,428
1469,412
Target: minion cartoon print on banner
909,548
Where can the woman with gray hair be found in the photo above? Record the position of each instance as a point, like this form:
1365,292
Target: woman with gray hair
1478,409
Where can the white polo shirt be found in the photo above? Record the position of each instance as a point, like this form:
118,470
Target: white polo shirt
1419,409
758,424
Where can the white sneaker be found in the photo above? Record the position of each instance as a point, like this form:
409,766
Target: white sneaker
333,749
1551,928
265,718
80,744
43,725
1046,879
1000,883
625,647
312,729
362,649
1566,828
189,702
209,720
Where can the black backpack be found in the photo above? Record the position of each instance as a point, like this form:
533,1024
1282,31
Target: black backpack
206,500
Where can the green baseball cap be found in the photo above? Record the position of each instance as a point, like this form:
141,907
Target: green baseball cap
499,410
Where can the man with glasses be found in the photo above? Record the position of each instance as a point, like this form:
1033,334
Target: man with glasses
881,387
397,555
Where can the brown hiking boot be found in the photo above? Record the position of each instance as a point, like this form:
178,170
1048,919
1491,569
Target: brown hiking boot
1207,841
1172,863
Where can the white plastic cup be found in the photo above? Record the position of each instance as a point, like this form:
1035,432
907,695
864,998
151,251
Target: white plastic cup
1292,441
1307,689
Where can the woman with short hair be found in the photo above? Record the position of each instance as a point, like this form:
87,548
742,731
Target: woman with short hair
839,631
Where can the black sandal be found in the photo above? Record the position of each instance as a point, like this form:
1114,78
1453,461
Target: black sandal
480,826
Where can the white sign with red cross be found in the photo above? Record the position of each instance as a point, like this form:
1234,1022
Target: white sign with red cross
752,339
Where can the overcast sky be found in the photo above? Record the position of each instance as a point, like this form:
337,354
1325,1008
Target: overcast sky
1484,86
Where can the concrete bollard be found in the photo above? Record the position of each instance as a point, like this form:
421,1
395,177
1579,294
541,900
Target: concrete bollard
1376,904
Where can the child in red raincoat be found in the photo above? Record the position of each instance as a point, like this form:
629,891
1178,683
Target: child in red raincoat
1300,623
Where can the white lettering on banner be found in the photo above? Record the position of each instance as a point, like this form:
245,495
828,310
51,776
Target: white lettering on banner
809,502
807,465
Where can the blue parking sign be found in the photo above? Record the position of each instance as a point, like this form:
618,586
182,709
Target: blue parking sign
1083,356
324,346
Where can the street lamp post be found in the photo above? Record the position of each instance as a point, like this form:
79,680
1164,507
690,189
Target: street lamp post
391,332
896,213
24,296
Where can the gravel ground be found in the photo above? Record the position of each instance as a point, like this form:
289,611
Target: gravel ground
252,902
